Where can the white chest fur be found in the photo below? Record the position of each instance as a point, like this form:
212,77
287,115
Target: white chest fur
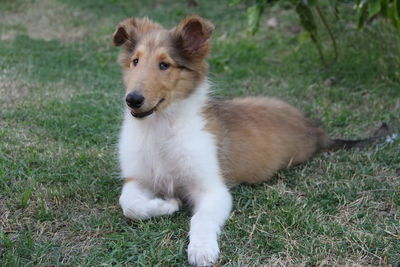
170,149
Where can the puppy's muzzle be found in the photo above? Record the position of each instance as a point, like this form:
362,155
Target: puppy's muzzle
134,100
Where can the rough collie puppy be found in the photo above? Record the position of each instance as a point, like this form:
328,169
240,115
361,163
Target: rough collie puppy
177,144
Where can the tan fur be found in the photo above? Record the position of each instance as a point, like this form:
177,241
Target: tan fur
256,136
259,136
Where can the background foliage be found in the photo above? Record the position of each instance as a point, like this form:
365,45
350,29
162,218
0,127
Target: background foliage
309,11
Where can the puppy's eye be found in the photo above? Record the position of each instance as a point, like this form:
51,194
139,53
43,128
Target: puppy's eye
135,62
164,65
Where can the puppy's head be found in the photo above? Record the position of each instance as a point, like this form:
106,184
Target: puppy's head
161,66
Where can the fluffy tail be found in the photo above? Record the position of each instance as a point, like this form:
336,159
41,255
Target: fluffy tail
336,144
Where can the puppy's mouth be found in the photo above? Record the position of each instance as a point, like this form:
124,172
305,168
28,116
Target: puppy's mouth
146,113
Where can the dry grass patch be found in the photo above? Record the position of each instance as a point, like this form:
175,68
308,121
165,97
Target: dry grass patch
12,91
47,20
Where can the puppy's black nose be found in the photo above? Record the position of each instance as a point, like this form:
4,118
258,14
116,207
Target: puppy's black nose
134,100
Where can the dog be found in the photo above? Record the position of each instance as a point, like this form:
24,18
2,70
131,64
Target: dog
177,144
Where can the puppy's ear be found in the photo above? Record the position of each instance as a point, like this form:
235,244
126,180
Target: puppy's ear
130,30
192,37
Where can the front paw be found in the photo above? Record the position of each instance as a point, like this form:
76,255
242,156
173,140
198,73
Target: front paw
171,205
144,209
132,209
203,253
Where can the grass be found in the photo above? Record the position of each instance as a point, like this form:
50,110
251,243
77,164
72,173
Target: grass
60,111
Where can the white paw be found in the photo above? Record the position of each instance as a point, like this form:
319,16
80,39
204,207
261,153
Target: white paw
138,209
203,253
171,205
132,209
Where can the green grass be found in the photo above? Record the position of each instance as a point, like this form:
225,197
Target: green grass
60,112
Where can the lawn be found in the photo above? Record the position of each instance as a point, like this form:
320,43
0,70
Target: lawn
60,113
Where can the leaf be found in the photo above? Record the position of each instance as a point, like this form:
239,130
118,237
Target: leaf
374,6
393,13
306,17
308,22
253,17
384,8
362,15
